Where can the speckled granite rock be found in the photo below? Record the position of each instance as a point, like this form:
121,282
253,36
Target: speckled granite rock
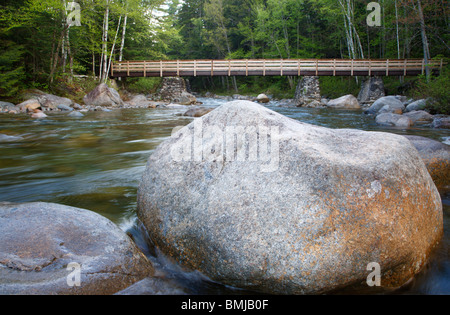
333,202
38,241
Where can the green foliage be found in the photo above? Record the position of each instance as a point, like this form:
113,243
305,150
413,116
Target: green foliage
334,87
12,74
143,85
437,89
33,35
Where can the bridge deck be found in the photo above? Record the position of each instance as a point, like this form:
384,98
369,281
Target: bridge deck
264,67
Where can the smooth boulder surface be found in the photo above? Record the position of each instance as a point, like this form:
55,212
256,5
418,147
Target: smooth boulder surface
306,214
262,98
6,107
419,117
391,101
102,95
53,102
436,156
395,108
29,105
185,98
38,241
197,112
417,105
38,114
441,122
344,102
395,120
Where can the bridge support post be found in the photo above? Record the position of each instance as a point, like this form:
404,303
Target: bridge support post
307,93
372,88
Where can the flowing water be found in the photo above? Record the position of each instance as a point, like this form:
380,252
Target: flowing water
95,162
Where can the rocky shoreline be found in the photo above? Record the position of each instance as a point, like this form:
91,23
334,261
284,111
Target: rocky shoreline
392,111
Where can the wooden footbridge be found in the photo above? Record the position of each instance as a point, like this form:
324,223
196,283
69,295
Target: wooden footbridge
283,67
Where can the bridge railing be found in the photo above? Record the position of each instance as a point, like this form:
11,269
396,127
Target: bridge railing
247,67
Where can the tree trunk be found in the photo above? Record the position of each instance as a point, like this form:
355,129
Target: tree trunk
113,46
396,24
104,61
122,44
423,33
69,52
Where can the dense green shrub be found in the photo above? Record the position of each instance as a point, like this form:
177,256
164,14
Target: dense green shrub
437,89
12,72
334,87
142,85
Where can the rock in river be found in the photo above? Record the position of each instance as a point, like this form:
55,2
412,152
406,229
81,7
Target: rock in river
436,156
197,112
40,242
389,101
102,95
396,120
344,102
257,200
262,98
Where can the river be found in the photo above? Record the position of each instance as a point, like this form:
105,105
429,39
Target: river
95,162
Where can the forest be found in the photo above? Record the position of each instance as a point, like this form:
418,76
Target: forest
51,44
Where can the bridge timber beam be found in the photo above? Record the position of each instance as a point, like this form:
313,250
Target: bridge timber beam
274,67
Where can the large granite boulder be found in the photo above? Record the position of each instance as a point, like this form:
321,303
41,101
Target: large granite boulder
257,200
102,95
43,244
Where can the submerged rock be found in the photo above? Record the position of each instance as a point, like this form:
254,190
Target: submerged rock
256,200
38,114
197,112
39,242
75,114
8,138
